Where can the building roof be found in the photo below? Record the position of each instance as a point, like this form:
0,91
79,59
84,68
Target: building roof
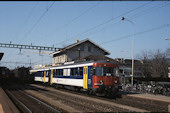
96,58
78,43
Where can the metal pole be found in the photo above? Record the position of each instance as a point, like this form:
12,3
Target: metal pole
132,49
132,58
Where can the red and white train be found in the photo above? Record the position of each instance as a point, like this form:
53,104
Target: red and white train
94,77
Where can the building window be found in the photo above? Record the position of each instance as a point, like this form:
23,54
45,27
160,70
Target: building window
82,48
89,48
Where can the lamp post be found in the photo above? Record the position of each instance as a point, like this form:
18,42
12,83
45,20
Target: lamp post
167,39
132,49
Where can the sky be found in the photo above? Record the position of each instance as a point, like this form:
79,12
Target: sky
60,23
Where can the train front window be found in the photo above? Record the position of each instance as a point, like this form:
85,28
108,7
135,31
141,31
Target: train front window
103,71
108,71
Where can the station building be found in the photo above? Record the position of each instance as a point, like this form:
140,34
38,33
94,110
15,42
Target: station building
80,51
125,70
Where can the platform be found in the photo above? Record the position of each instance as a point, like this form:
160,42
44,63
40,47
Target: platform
149,98
156,97
6,105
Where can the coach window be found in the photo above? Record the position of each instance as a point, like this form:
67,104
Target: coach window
54,72
81,71
60,72
91,71
76,71
47,73
72,71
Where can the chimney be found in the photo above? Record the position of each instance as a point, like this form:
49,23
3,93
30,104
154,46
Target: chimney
77,40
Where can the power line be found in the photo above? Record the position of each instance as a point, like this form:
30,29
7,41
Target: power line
146,11
151,9
39,20
72,20
19,30
25,21
109,20
139,33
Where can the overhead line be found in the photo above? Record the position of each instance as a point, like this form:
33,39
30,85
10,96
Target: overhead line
71,21
112,19
109,20
139,33
25,20
153,8
3,62
39,19
24,23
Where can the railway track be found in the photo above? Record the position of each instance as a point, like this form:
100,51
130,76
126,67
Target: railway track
27,103
85,103
81,102
133,102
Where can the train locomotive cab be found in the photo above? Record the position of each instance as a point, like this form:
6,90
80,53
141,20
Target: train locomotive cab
105,79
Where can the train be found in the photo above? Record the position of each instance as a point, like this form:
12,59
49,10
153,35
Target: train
18,75
4,75
93,77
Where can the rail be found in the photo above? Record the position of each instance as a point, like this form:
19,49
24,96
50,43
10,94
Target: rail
20,102
33,98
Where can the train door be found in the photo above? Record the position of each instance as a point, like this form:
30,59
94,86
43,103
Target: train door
49,76
85,77
44,76
90,75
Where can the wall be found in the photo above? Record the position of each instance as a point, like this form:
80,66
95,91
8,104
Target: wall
85,48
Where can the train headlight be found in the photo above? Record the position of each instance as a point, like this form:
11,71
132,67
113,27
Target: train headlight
115,81
101,82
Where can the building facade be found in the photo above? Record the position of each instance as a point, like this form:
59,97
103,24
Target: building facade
77,51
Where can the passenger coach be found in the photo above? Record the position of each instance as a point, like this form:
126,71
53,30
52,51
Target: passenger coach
94,77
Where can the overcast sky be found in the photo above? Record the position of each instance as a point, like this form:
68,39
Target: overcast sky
60,23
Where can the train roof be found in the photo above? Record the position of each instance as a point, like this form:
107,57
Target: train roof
70,65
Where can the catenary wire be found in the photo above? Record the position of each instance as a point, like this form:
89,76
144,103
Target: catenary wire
74,19
26,20
71,21
134,16
35,24
37,21
109,20
139,33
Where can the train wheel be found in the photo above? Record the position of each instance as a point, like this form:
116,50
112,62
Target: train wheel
77,89
91,92
56,86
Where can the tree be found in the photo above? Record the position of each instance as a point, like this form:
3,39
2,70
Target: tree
154,64
159,64
146,64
